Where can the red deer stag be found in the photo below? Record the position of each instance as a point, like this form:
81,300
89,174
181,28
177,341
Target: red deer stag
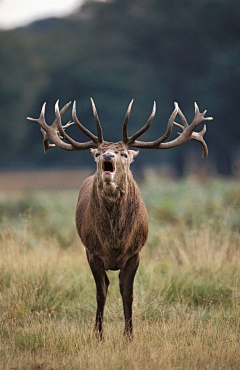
111,217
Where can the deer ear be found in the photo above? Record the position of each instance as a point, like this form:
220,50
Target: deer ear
133,154
93,151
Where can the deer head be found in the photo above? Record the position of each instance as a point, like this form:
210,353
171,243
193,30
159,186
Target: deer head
113,162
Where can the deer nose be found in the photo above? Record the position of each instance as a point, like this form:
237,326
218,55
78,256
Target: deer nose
108,156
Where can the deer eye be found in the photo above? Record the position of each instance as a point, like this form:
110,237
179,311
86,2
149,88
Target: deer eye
124,155
97,155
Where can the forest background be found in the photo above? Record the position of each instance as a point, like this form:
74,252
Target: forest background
114,51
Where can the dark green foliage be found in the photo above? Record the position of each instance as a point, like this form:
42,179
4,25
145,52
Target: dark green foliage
114,51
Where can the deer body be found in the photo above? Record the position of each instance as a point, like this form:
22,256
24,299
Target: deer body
111,217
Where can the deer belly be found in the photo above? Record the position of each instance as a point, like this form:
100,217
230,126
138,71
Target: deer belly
114,248
115,262
115,257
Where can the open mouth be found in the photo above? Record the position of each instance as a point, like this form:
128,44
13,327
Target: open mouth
108,167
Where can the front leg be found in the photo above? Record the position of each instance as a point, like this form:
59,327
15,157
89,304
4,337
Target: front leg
126,279
102,283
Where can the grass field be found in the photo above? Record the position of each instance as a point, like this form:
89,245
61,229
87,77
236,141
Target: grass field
187,289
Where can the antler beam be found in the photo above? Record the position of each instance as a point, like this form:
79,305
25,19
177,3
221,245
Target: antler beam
187,133
56,132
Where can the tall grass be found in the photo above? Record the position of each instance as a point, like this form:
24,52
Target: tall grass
187,289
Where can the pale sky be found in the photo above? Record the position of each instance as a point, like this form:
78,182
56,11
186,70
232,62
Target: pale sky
14,13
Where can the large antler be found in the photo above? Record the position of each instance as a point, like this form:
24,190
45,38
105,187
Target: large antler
187,134
56,132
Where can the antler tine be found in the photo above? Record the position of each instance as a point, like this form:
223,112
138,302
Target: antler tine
199,137
125,122
198,118
183,119
62,111
81,127
46,143
156,144
96,119
61,130
41,120
144,128
42,114
169,125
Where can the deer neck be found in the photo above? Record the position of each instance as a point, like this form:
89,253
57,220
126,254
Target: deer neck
113,191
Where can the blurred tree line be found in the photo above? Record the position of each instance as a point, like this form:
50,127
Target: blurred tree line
114,51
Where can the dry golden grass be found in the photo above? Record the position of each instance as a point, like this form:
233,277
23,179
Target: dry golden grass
187,291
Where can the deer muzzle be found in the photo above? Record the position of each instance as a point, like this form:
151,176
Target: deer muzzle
108,167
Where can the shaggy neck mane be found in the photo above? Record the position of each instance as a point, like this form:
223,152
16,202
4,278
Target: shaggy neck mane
115,190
